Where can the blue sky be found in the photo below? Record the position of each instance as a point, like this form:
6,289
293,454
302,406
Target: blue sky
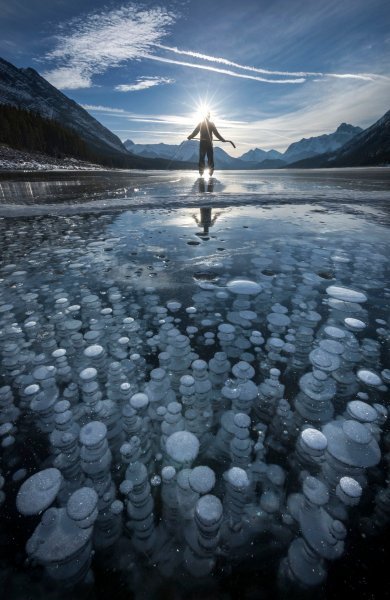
270,71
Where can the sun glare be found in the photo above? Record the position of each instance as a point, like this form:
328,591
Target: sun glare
201,112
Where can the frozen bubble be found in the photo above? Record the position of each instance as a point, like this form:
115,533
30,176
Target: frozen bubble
244,286
155,481
278,319
209,509
5,428
139,401
182,446
345,294
323,360
248,315
19,475
354,324
331,346
38,492
93,433
117,507
334,333
315,491
369,377
93,351
350,487
361,411
222,295
314,439
226,328
173,306
82,503
190,310
202,479
168,473
88,374
191,330
276,474
242,420
357,432
275,343
237,477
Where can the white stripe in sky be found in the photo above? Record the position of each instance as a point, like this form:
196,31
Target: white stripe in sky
223,71
224,61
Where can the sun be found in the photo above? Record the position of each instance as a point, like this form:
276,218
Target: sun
201,112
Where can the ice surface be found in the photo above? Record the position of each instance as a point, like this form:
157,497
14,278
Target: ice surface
182,378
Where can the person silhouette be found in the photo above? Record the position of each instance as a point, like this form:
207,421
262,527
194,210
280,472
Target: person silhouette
206,129
206,220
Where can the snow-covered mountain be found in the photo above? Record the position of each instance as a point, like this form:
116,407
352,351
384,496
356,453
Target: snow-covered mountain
25,88
255,158
188,151
368,148
313,146
257,155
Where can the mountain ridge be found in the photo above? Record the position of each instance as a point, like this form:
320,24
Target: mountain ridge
371,147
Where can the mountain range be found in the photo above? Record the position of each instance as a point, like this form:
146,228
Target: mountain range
26,90
253,159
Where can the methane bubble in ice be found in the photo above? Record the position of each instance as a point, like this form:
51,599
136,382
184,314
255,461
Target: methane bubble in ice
243,286
230,420
345,294
38,492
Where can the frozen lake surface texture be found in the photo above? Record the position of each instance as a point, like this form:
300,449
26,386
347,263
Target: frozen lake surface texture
194,384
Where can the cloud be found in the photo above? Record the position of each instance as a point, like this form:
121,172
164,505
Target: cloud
223,71
305,74
106,109
224,61
104,39
143,83
322,109
68,78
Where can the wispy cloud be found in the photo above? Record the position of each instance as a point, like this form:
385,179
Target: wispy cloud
104,39
105,109
143,83
223,71
162,119
108,38
229,63
300,74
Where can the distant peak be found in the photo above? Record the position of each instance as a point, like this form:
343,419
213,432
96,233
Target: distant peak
347,128
129,143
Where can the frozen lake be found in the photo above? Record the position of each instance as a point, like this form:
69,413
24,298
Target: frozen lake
120,189
250,272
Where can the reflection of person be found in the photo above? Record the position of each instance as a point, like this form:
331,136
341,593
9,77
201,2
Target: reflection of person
206,129
206,219
202,185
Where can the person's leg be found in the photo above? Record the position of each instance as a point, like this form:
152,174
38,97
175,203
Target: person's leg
202,154
210,158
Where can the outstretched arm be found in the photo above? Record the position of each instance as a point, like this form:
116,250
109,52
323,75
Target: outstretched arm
194,133
217,134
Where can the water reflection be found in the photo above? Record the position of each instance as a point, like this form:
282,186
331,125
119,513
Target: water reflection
206,218
205,188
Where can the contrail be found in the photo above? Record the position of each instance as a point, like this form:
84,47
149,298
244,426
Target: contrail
229,63
223,71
